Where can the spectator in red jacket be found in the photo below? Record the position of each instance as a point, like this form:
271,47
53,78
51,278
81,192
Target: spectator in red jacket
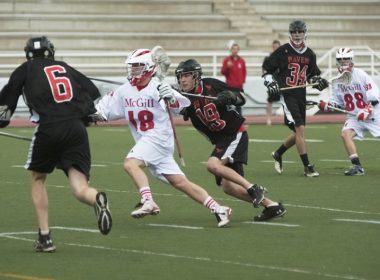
234,70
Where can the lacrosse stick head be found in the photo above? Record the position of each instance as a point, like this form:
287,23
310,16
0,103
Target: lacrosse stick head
162,61
344,59
140,67
344,78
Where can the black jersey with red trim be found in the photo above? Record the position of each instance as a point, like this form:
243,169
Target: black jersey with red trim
52,90
291,68
215,122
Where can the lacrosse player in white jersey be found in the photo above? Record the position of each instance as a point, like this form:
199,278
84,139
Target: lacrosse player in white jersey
360,98
142,102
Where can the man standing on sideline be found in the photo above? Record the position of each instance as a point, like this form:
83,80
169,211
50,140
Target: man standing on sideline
272,98
234,70
225,129
60,100
293,64
361,100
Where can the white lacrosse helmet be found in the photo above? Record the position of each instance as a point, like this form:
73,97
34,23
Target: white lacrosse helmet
140,66
344,59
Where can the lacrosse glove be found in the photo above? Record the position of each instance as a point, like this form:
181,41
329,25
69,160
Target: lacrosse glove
364,114
226,97
5,116
324,106
166,92
322,83
272,86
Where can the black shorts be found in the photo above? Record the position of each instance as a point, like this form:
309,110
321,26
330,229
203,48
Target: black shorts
60,145
273,98
235,149
294,110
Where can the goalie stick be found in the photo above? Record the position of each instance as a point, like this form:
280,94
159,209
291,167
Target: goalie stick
163,62
343,78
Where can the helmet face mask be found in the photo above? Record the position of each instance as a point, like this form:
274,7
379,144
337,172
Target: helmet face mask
140,67
188,74
344,59
297,34
39,47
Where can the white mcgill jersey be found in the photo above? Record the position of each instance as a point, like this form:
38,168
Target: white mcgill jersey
146,116
357,95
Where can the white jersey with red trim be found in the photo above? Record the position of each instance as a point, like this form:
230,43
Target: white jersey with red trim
146,115
357,95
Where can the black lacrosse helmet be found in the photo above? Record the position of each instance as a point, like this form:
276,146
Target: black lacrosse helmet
190,65
39,47
297,25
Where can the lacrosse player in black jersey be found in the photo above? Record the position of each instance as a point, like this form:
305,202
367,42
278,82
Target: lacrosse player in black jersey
224,127
294,64
60,100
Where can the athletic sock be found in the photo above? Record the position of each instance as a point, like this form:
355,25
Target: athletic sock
305,159
281,150
210,203
145,193
355,159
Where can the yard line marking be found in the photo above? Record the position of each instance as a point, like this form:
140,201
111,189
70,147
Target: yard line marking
335,160
174,226
358,221
23,277
205,259
76,229
331,209
280,141
17,233
271,224
272,161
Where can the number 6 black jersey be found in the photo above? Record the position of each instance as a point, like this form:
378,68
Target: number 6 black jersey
292,68
53,91
215,122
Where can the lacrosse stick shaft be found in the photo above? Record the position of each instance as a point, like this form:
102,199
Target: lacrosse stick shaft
300,86
15,136
106,81
179,148
198,95
163,62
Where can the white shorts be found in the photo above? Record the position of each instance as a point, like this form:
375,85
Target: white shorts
158,159
360,127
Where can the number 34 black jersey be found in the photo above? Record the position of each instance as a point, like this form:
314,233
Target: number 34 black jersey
52,89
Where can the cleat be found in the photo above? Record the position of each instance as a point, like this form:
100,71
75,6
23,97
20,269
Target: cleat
355,170
270,213
222,215
277,162
257,193
310,172
103,213
44,244
148,207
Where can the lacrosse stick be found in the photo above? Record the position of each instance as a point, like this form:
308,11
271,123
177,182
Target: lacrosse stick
162,61
343,78
199,96
15,136
106,81
313,103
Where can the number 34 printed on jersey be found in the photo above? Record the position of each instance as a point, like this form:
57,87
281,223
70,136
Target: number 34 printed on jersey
60,86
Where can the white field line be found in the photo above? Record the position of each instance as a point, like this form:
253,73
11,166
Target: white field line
271,224
219,199
280,141
174,226
377,222
334,160
272,161
208,260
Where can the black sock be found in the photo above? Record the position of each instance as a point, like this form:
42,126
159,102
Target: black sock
280,151
355,161
305,159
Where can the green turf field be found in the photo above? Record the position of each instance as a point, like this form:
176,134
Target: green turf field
331,229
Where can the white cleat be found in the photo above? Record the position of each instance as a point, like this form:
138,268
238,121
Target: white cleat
222,215
149,207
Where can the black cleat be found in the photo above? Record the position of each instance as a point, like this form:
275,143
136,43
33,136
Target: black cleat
257,193
103,213
270,213
310,171
355,170
44,244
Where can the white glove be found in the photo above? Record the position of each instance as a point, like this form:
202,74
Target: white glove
166,92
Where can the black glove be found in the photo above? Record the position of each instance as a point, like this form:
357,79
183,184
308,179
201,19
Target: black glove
5,116
226,97
185,114
272,86
322,83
